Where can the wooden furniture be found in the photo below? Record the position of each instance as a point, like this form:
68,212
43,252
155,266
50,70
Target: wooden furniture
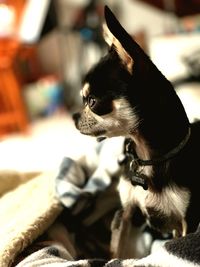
13,115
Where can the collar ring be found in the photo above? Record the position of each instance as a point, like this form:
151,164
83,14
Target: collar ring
134,165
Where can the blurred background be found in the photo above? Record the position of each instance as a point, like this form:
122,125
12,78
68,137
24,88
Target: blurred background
47,46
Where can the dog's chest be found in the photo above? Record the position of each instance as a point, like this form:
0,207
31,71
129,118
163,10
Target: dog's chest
164,211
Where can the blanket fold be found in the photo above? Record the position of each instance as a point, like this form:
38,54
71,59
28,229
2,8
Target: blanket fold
26,211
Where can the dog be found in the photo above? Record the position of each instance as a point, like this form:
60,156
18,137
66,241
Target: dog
125,94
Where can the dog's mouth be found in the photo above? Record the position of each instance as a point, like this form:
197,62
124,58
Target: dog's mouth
101,138
96,133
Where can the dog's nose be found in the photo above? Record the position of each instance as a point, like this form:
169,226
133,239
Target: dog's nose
76,116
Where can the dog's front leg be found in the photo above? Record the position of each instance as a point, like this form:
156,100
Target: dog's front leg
128,238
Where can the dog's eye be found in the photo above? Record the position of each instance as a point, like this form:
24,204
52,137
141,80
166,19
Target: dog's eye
91,101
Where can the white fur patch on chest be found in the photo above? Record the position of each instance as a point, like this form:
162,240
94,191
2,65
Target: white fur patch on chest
172,200
131,194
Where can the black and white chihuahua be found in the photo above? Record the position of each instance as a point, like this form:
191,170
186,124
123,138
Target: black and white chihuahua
126,95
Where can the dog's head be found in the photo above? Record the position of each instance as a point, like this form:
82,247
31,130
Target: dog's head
113,90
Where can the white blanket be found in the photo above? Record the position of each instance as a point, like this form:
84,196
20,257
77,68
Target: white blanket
27,207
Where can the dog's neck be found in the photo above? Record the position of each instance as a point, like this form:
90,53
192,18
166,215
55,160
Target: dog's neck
161,129
148,147
151,163
163,122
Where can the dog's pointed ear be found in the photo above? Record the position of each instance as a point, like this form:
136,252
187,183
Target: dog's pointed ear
112,40
128,50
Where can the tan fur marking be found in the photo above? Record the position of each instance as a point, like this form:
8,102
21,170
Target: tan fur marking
125,113
184,227
108,36
85,91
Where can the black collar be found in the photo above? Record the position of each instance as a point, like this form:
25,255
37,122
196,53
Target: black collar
130,157
171,154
